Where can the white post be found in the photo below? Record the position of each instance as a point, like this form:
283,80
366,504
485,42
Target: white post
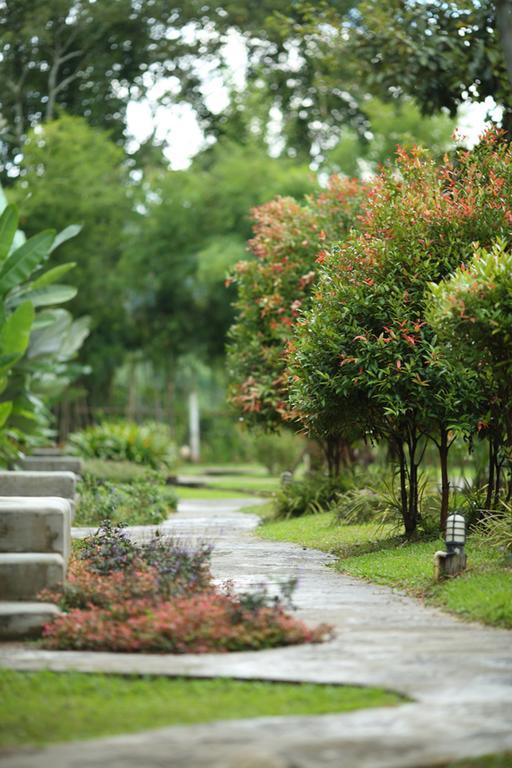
194,426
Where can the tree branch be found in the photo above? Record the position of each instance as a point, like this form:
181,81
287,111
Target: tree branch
504,27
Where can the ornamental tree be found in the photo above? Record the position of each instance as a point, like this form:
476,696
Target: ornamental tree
365,347
472,312
274,287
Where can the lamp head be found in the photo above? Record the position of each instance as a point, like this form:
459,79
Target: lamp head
455,537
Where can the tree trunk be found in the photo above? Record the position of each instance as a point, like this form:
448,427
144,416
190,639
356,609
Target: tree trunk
332,456
443,448
316,453
405,492
52,85
504,27
412,514
498,465
490,478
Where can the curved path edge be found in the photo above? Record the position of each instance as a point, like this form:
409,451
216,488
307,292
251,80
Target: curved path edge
459,674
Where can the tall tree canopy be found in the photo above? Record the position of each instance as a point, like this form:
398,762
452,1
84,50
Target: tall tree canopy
72,173
441,54
194,230
88,58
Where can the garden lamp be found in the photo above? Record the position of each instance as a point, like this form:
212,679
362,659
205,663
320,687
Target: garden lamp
455,537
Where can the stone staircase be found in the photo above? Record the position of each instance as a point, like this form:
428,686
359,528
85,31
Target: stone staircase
36,511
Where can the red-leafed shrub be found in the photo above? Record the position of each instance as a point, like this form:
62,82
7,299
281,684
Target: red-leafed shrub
365,349
159,597
203,623
275,287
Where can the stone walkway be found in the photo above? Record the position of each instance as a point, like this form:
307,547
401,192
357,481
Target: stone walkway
459,674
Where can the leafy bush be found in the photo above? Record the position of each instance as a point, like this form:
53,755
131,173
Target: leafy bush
364,505
114,471
472,312
274,288
496,529
149,444
365,351
38,339
380,503
110,549
470,502
279,451
159,597
203,623
111,568
303,497
142,502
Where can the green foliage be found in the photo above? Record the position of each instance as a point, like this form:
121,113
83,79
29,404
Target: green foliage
470,502
308,496
277,452
72,172
275,287
366,349
390,125
495,530
143,501
446,46
364,505
194,232
114,471
81,62
472,312
35,347
379,502
47,707
149,444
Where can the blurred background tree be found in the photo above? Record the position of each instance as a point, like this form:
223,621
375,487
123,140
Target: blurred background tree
74,173
314,88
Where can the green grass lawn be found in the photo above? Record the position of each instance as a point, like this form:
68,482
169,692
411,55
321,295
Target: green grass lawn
248,478
206,493
504,760
46,707
320,532
216,470
266,484
483,593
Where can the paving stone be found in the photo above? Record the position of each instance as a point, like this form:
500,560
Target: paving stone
22,620
25,483
23,575
52,464
48,450
35,524
458,674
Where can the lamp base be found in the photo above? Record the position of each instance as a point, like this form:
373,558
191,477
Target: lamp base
448,564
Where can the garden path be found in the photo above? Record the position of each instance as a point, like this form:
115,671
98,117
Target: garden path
459,674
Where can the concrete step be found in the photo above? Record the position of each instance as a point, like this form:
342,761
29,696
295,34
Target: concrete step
24,483
35,524
48,450
52,464
23,620
24,574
